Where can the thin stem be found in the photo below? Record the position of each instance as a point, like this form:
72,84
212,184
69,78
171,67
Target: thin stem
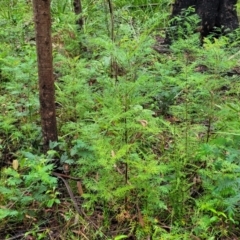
114,66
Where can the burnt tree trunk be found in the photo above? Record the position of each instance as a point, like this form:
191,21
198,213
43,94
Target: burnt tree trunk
213,14
77,4
42,19
179,5
217,13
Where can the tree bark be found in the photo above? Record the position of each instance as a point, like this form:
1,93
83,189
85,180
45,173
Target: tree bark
217,13
42,17
213,13
77,4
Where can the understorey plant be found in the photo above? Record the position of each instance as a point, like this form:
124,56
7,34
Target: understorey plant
205,119
117,138
27,187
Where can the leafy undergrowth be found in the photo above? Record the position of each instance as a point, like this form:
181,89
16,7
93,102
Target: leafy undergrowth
151,139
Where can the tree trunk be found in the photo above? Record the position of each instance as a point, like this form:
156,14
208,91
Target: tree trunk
77,4
179,5
217,13
45,71
213,13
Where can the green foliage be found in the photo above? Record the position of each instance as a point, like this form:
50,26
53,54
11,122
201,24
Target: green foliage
153,137
183,25
30,184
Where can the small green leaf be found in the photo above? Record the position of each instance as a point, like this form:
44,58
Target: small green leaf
120,237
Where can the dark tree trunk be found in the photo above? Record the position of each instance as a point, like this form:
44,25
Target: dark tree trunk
77,4
45,71
217,13
213,13
179,5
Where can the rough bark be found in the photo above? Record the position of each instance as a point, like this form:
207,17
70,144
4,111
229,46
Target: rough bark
77,4
217,13
42,19
213,13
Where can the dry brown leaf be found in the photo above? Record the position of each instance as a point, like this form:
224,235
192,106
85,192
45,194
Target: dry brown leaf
15,164
30,217
79,187
144,123
140,219
66,168
113,153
